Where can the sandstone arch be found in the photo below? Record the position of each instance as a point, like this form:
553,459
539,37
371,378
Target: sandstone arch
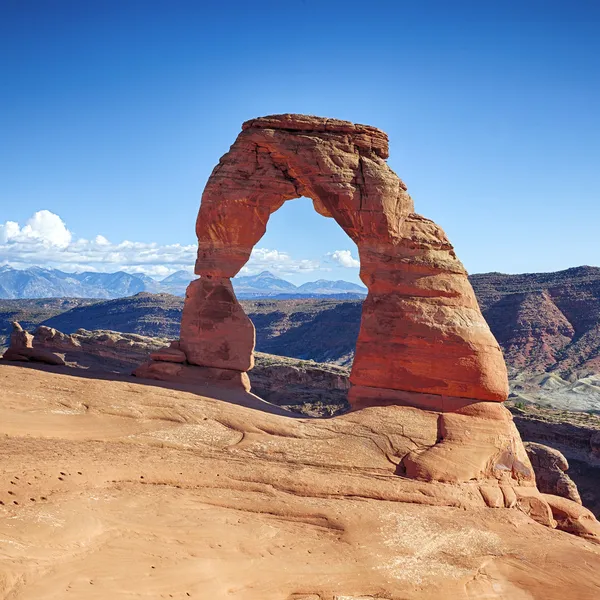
421,331
423,341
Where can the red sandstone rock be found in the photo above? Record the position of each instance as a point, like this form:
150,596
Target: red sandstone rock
48,337
192,374
269,507
422,330
19,338
550,465
215,330
476,442
574,518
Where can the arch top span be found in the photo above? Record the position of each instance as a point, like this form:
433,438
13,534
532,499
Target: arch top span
339,165
421,330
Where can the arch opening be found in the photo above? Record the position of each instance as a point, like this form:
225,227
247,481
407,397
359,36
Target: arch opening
319,319
302,245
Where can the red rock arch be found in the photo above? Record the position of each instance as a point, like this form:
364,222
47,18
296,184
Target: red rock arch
421,329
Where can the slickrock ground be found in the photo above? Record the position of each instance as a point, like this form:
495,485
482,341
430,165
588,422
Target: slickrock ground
315,389
118,489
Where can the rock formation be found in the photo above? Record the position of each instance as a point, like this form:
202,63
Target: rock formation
101,350
316,388
21,349
421,330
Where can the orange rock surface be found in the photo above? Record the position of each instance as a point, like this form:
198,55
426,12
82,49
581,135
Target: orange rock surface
21,349
119,489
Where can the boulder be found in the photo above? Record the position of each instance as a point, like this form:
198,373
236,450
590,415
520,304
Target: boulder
550,466
573,518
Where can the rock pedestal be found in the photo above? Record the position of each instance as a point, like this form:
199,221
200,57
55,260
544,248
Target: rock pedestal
215,330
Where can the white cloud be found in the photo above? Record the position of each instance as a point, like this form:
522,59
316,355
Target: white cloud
45,240
8,231
345,259
101,240
43,227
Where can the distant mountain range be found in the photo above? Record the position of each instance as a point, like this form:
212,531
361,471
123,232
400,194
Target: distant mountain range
267,285
38,282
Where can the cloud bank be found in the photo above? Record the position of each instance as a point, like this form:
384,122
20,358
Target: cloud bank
45,240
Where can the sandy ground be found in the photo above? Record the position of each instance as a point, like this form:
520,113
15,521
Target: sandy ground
121,489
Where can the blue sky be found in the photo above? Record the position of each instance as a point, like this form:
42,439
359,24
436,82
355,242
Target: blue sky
115,113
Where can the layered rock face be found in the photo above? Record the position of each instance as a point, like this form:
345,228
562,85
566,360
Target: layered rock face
421,331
